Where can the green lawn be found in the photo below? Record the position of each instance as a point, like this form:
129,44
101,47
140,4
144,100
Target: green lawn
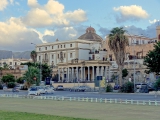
100,111
6,115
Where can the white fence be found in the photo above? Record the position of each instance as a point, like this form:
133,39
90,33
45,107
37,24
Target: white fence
93,100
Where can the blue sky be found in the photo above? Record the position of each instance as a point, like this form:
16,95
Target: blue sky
37,21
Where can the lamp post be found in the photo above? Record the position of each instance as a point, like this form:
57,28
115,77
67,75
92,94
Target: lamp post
40,70
133,61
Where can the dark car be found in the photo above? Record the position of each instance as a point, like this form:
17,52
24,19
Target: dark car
116,87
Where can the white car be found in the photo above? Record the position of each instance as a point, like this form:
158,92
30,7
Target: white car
34,91
5,88
49,90
41,89
60,87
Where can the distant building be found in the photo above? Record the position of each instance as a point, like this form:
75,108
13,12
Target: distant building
76,60
12,62
138,47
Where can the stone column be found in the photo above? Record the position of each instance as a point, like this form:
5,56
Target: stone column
97,70
88,73
77,73
68,74
101,70
105,71
59,75
109,73
81,72
72,73
93,73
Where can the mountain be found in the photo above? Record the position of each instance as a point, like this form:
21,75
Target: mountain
4,54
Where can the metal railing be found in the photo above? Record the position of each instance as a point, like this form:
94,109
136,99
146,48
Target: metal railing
82,99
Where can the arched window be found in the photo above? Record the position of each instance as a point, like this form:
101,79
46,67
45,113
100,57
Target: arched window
45,56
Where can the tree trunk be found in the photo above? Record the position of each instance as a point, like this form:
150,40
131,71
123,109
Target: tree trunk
120,68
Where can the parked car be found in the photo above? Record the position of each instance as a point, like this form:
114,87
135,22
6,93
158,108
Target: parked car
75,88
49,90
5,88
41,89
59,87
116,87
15,89
80,88
34,91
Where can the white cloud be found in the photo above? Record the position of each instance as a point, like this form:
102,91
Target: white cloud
132,12
11,1
3,4
153,21
37,18
33,3
52,14
14,35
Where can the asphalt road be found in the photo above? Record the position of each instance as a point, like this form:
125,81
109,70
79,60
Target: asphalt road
129,96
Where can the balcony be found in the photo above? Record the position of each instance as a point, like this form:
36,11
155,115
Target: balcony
131,57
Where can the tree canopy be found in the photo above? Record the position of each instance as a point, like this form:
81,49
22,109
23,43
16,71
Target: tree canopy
152,60
8,78
45,69
34,56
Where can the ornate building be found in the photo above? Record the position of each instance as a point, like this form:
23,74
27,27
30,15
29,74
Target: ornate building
80,60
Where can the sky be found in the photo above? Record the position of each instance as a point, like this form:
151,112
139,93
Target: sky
23,22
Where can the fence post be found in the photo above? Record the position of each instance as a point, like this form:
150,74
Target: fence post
156,103
149,102
126,101
91,100
144,103
131,101
115,100
70,99
96,99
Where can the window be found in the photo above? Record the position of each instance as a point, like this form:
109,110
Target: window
39,58
15,63
58,46
39,49
52,47
45,48
52,56
64,46
10,63
70,55
64,55
58,55
61,46
142,41
70,45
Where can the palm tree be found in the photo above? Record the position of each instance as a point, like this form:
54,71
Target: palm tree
117,43
34,56
29,76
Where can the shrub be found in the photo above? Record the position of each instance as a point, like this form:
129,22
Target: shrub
157,85
1,87
109,88
127,87
11,85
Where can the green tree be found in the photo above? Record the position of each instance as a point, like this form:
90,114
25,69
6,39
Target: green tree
34,56
8,78
117,43
20,80
152,60
45,69
157,84
124,73
29,76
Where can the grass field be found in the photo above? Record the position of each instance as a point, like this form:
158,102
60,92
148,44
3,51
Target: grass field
6,115
100,111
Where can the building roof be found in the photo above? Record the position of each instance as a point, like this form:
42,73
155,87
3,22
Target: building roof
90,35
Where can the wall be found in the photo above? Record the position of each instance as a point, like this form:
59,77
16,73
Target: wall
83,54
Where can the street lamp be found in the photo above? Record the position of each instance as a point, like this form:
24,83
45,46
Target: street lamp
134,60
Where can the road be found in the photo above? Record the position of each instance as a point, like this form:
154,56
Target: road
129,96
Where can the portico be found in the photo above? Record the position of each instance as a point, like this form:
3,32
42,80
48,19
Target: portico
83,70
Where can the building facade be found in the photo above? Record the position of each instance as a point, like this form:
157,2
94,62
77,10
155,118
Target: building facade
138,47
76,60
12,62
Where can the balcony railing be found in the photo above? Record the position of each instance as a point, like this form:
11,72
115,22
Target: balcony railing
131,57
45,60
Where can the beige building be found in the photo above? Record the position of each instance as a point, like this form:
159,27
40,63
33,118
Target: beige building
81,60
135,52
17,72
12,62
